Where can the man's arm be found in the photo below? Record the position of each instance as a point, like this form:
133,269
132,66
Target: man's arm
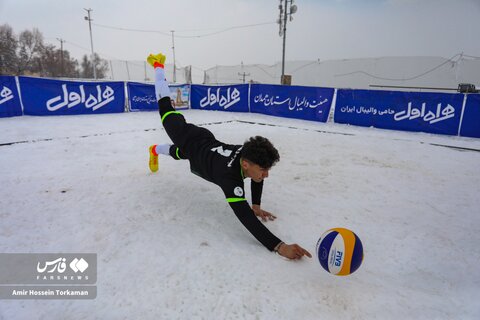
234,193
247,217
261,233
257,188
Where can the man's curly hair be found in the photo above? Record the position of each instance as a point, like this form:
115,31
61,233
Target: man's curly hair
260,151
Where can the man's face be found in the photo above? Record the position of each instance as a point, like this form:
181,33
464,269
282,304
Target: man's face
254,171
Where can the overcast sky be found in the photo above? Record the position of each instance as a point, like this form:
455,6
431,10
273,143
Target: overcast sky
321,29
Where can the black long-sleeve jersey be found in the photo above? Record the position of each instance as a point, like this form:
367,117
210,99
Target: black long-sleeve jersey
216,162
219,163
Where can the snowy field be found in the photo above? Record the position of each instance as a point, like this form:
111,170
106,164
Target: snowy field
169,246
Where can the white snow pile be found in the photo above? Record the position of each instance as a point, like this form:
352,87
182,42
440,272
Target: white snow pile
169,246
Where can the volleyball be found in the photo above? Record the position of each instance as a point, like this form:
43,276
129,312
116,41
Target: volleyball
340,251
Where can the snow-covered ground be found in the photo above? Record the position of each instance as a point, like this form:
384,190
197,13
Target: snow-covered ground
169,246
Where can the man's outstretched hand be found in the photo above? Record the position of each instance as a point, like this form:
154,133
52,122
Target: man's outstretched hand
292,251
264,215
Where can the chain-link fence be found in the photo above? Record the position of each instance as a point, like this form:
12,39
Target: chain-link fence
142,72
409,72
432,72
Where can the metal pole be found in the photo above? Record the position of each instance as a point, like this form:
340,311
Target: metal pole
243,74
174,65
284,39
128,71
61,56
91,41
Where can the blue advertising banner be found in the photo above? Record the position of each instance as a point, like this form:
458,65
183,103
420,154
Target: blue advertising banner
142,96
471,117
42,97
223,98
9,98
308,103
409,111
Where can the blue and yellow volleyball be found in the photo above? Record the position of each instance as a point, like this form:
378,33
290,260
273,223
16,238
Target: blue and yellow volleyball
340,251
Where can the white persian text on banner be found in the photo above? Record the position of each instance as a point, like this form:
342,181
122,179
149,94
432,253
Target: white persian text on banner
366,110
145,99
409,114
73,98
5,95
297,103
232,97
431,117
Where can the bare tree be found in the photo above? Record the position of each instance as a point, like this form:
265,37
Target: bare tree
30,46
8,50
28,55
55,64
70,66
101,67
